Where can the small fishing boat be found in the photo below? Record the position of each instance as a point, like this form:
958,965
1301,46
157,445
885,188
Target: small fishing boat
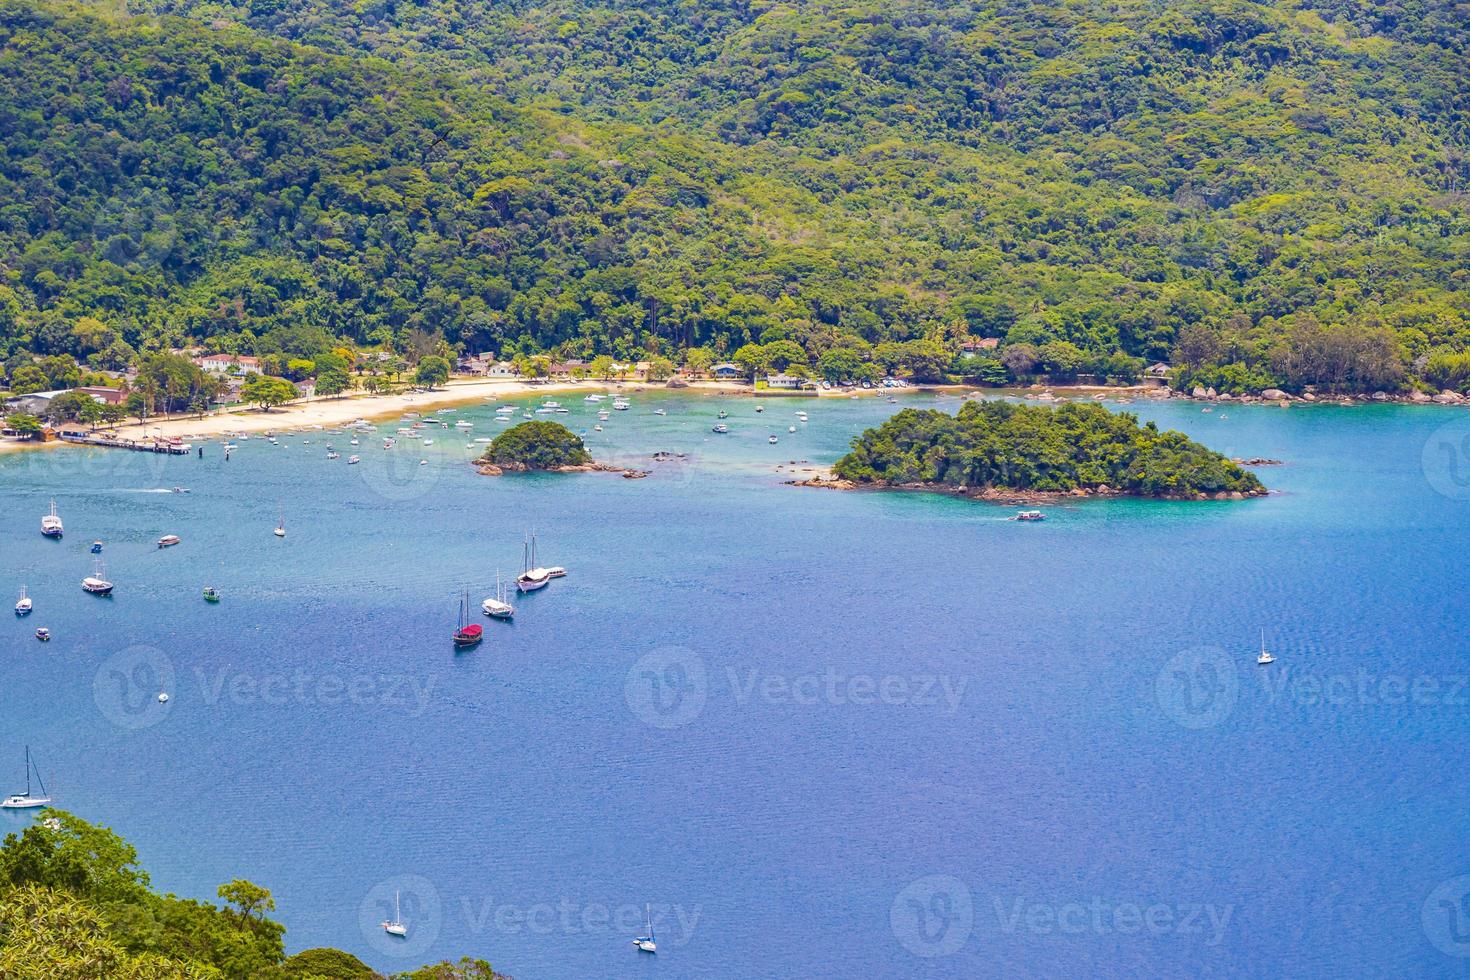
51,523
43,634
760,408
169,540
646,943
534,576
621,405
723,414
462,424
497,607
1265,655
353,460
428,442
211,594
597,427
96,547
97,582
353,442
468,633
28,800
1030,515
396,927
178,489
720,428
23,607
593,398
334,455
791,428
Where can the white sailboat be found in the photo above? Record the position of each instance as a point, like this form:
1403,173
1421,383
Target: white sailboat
51,524
23,607
534,576
396,927
26,801
1265,657
646,943
280,531
97,582
496,606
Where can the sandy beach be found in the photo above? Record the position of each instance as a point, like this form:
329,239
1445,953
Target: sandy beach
339,411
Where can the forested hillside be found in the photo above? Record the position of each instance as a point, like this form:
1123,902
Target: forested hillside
1263,193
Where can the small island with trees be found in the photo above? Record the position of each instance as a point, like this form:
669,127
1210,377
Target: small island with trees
1001,451
542,447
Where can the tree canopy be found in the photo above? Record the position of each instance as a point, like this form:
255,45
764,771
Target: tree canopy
537,445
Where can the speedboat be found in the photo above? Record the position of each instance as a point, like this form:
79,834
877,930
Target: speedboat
1030,515
597,428
51,524
773,440
169,540
551,405
97,583
723,414
334,455
96,547
801,416
353,460
211,594
23,607
721,428
43,634
791,428
760,408
556,571
593,398
621,405
659,411
462,424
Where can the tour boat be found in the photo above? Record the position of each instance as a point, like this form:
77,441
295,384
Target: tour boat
621,405
23,607
211,594
534,576
26,800
1265,657
51,524
496,607
97,583
1030,515
43,634
351,460
280,530
169,540
396,927
96,547
468,633
721,428
646,944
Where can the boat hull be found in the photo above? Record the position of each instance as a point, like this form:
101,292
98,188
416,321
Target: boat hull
24,802
527,584
96,588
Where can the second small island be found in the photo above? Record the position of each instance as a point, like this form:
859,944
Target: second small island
1007,452
543,447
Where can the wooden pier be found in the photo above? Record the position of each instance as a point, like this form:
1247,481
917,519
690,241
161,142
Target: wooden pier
171,447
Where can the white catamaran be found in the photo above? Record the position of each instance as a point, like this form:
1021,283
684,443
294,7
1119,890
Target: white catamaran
26,801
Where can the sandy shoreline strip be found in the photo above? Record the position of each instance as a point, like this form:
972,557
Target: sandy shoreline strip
341,411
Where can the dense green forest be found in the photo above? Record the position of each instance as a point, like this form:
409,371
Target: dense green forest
537,446
75,905
1266,194
999,445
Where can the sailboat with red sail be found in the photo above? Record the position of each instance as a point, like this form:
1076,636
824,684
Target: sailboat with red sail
468,634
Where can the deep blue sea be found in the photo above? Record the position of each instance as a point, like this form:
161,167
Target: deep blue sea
819,734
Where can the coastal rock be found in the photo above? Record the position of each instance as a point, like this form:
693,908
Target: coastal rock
1448,397
1210,393
1309,397
676,383
1274,394
1380,396
1257,461
1418,397
1198,392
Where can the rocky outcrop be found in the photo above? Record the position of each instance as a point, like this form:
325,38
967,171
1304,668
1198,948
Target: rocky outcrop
500,469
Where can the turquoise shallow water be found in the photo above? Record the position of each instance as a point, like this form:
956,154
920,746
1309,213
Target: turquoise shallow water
823,734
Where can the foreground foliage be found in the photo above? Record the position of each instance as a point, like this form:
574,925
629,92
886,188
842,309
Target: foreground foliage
74,904
999,445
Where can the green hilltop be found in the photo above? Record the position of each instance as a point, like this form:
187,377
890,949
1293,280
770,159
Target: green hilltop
1265,194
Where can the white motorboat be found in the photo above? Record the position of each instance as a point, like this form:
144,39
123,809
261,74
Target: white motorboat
463,424
97,583
23,607
659,411
396,926
169,540
51,524
353,460
791,428
593,398
773,440
621,405
28,800
496,606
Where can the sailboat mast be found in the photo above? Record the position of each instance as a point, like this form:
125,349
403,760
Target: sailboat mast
28,770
